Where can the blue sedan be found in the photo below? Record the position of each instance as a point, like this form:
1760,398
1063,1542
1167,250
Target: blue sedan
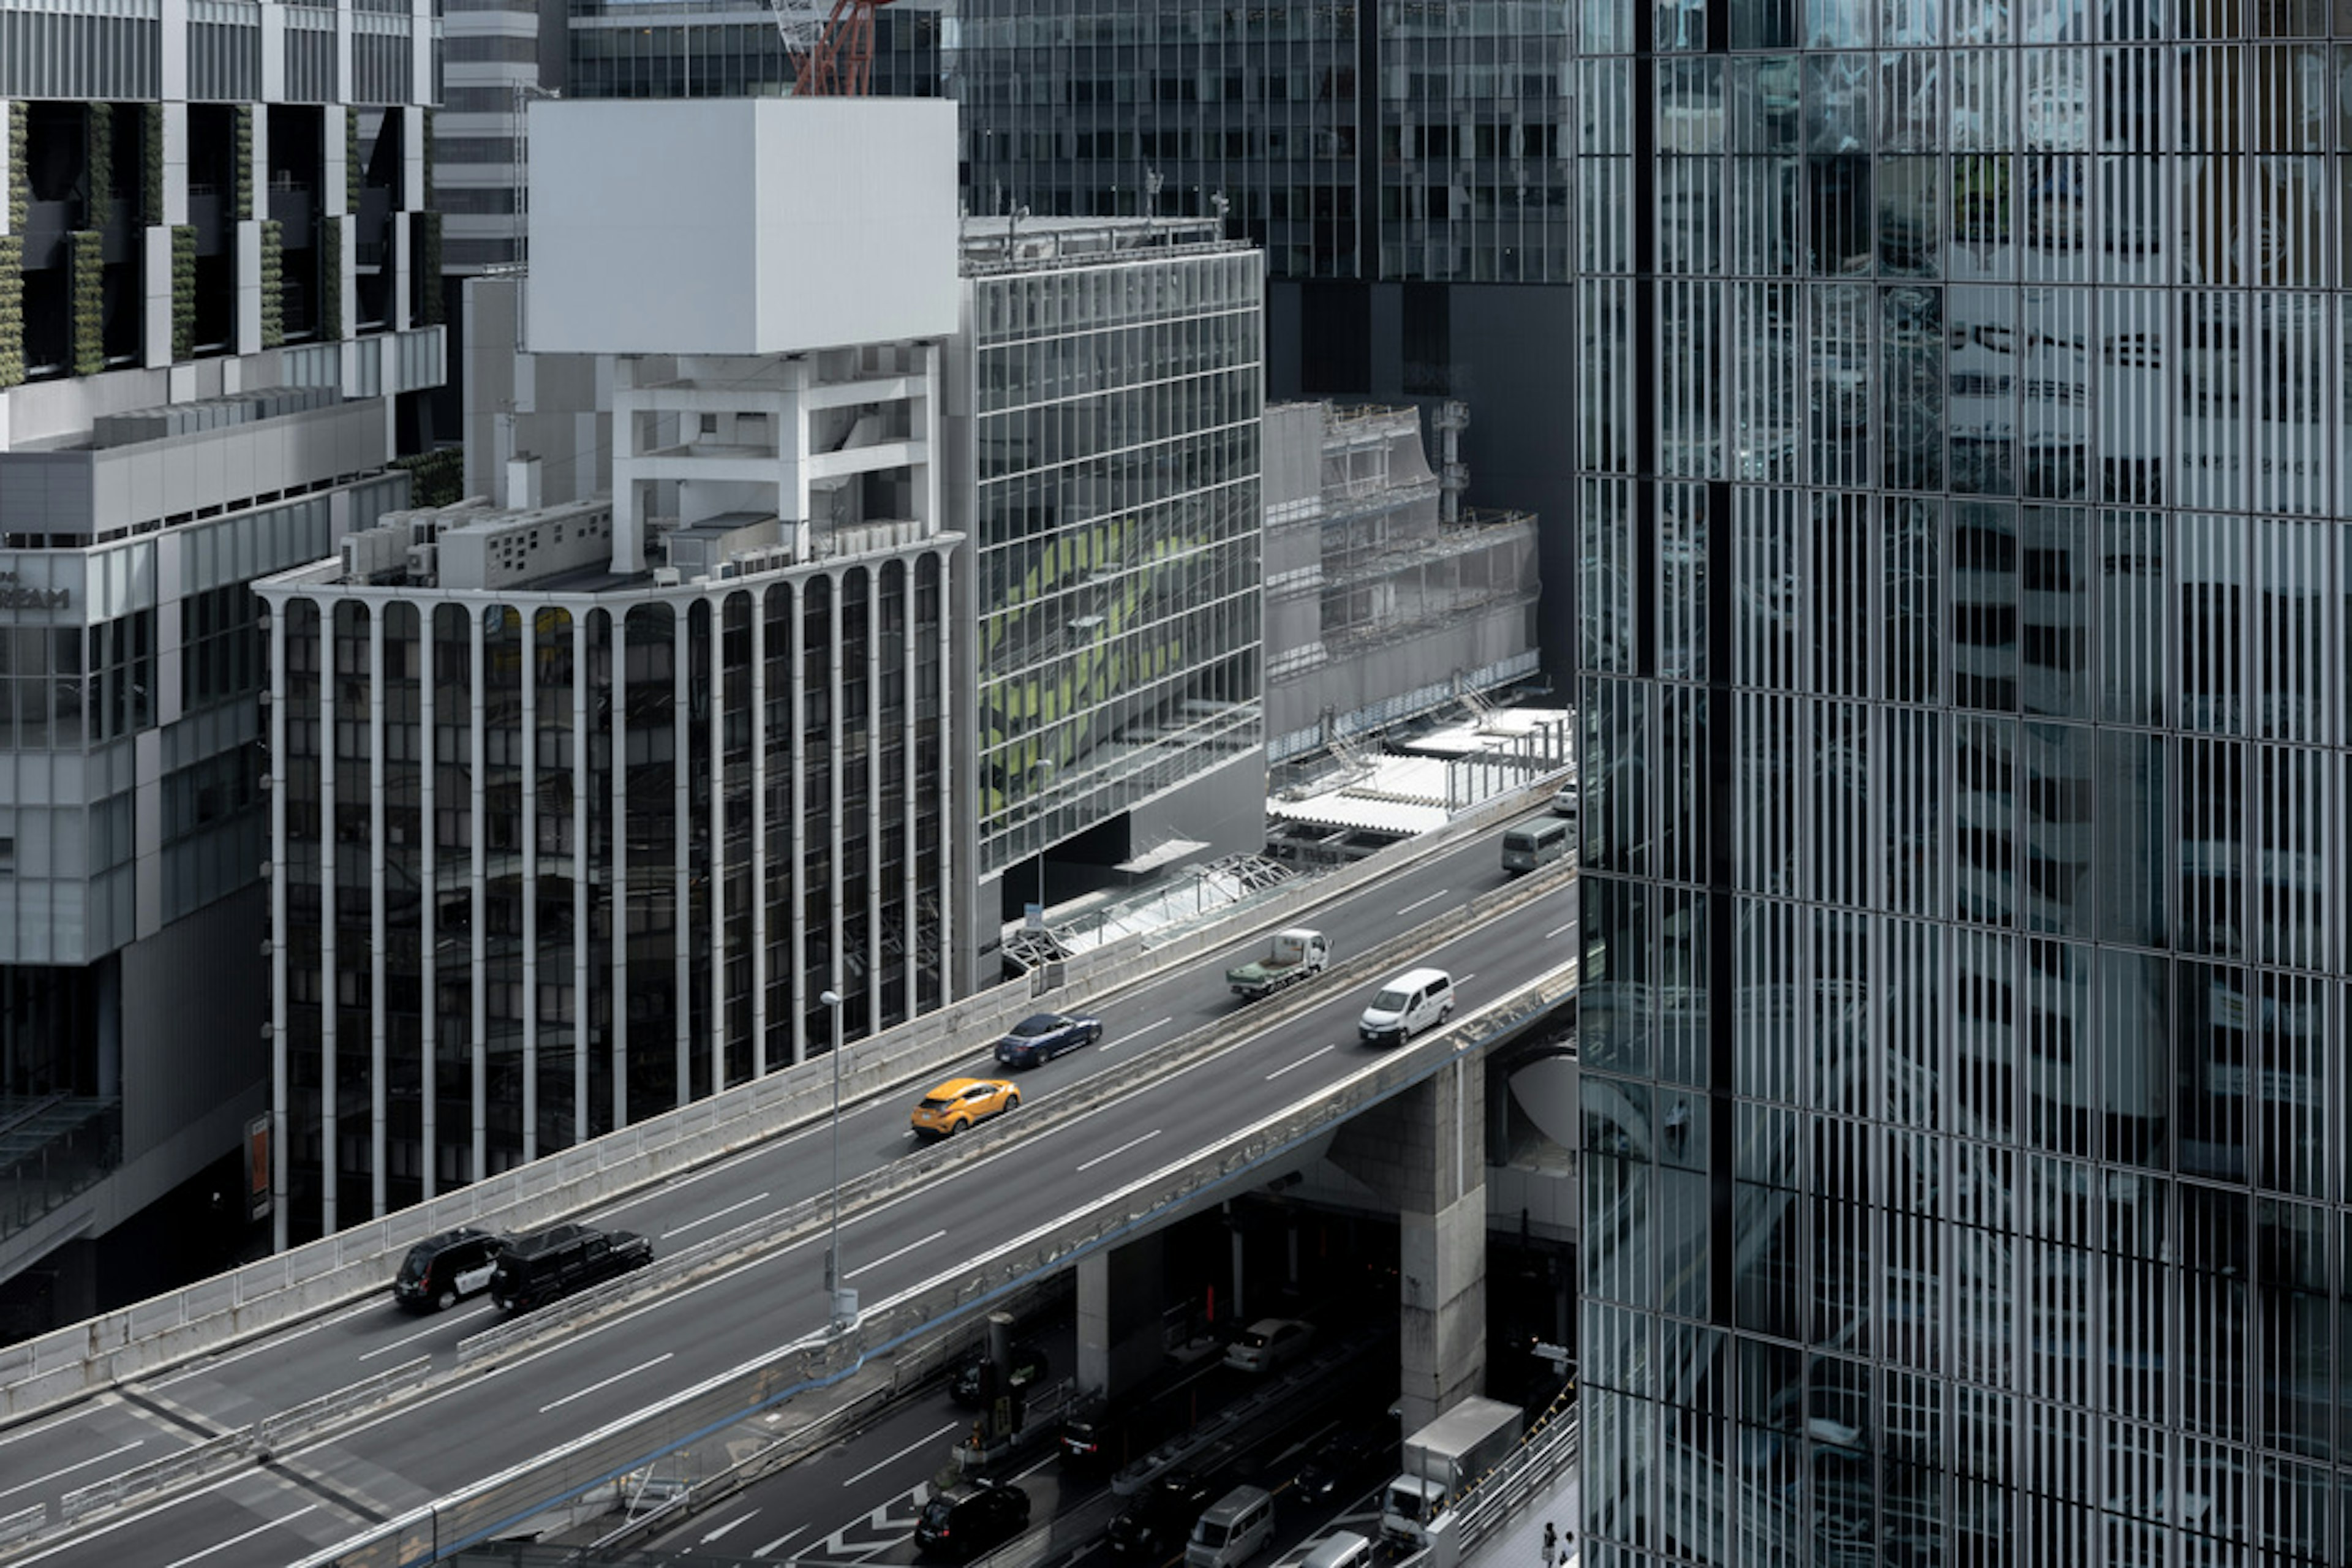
1042,1036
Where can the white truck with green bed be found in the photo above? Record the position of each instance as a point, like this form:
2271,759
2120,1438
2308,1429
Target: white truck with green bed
1296,953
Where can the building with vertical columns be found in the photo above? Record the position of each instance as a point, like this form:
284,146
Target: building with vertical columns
588,791
1965,413
589,843
215,329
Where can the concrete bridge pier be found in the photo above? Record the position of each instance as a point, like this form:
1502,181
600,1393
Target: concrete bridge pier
1121,1297
1425,1152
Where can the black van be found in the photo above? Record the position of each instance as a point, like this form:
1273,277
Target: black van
1154,1523
535,1269
968,1523
441,1268
1100,1435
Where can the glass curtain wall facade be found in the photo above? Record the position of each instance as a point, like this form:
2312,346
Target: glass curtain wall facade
729,48
552,866
1354,139
1966,604
1115,440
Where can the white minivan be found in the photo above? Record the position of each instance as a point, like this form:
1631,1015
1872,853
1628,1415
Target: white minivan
1236,1529
1406,1006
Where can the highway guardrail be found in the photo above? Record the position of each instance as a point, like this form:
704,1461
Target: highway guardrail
22,1524
191,1463
313,1416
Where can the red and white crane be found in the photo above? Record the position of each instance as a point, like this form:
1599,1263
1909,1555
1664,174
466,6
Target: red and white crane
832,50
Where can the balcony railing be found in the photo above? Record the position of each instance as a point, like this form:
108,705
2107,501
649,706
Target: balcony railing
52,1149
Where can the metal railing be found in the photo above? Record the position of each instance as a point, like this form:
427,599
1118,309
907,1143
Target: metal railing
1550,1447
197,1460
67,1363
313,1416
58,1159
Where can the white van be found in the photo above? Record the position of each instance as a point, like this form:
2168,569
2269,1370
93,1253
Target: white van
1406,1006
1536,843
1236,1528
1340,1549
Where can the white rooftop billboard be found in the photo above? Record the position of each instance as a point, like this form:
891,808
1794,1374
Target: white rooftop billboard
741,226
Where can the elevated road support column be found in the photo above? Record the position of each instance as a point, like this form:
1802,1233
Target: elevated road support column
1119,1322
1425,1152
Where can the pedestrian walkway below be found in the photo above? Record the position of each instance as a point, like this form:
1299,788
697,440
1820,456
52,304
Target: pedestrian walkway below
1520,1544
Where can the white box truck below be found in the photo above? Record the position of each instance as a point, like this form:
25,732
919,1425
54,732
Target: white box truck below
1444,1459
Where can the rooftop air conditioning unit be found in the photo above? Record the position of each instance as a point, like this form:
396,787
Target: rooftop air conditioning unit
422,560
667,577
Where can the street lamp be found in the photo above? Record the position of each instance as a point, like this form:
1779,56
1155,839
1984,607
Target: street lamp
841,1300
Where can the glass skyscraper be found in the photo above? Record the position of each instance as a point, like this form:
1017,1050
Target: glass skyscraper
1962,457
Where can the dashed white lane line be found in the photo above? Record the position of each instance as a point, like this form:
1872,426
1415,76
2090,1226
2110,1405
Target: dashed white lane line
1115,1153
717,1213
1300,1062
76,1464
1430,900
277,1342
740,1519
441,1326
889,1257
237,1539
584,1393
917,1443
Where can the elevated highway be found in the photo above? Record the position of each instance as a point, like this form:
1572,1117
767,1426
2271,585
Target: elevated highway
354,1434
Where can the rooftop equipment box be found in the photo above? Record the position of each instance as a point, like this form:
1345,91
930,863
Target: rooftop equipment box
741,226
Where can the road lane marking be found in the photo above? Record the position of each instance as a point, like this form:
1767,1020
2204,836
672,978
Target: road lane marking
839,1546
276,1342
780,1256
889,1257
74,1415
1430,899
730,1524
422,1334
1558,929
1115,1153
932,1438
1300,1062
79,1463
769,1547
239,1540
582,1393
1138,1033
720,1213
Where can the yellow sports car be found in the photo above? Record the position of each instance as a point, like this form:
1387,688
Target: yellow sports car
961,1102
